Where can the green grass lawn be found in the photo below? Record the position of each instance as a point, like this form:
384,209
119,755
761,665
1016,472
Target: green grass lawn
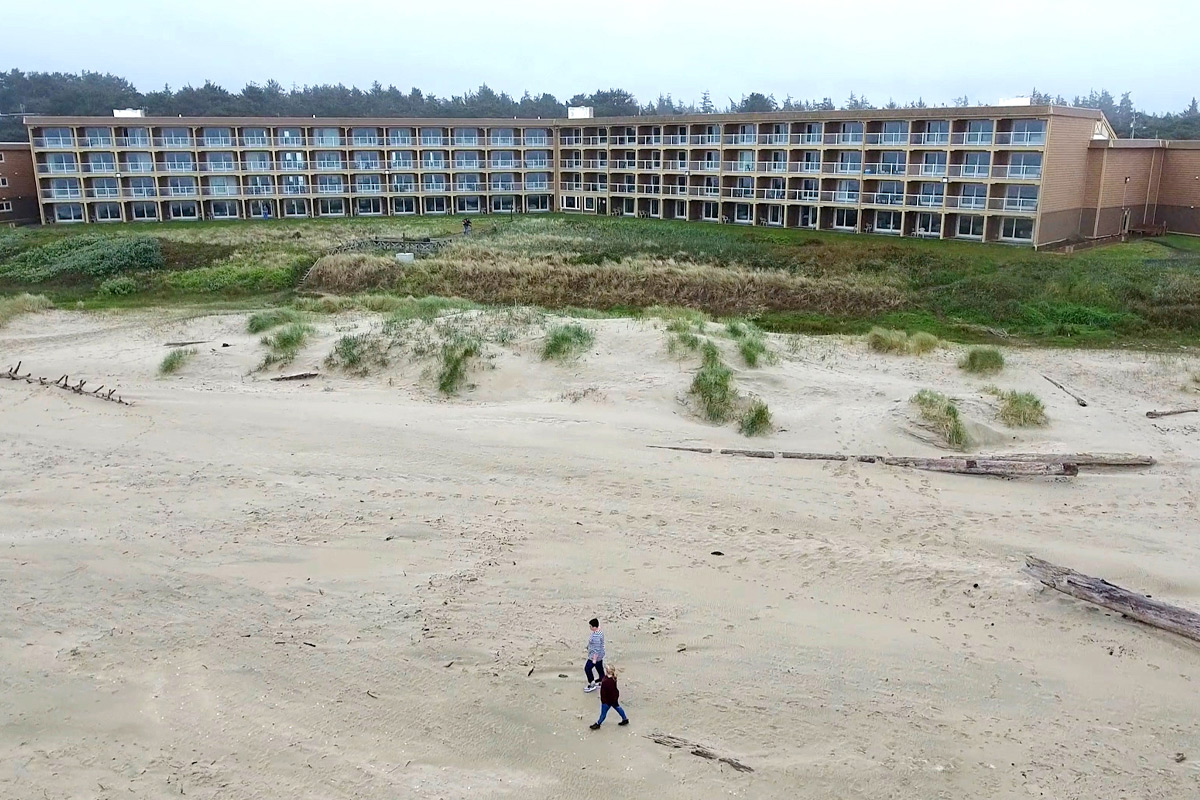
1143,292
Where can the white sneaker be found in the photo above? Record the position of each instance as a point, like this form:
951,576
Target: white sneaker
591,687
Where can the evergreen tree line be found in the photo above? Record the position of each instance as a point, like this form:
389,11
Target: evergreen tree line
95,93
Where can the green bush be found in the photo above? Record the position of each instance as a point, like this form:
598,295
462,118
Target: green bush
713,386
175,360
566,341
273,318
456,356
118,286
982,361
286,342
230,278
84,257
756,420
921,343
356,353
1022,410
942,413
882,340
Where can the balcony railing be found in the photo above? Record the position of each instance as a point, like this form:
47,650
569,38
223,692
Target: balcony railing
674,189
595,140
54,143
925,200
772,166
972,138
327,141
504,141
885,168
256,141
54,168
537,163
623,188
401,165
400,141
624,164
505,164
260,191
465,141
1021,138
808,167
655,165
804,195
177,166
842,168
365,165
137,166
293,166
740,192
433,188
888,138
140,191
840,197
571,164
1021,205
883,198
928,170
434,141
741,138
646,188
675,139
624,141
368,188
173,141
675,166
101,167
1018,172
331,188
738,166
218,166
365,141
181,191
439,166
772,138
806,138
330,166
653,140
404,188
705,138
132,141
62,194
843,138
467,187
704,166
570,141
468,164
592,163
221,191
217,141
704,191
969,170
104,192
504,186
103,141
966,202
936,139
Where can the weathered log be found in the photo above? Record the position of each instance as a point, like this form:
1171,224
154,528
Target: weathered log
185,344
1107,595
299,376
1078,399
697,750
814,456
1078,459
980,466
1172,412
683,449
748,453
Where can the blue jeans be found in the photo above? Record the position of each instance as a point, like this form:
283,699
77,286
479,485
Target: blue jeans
604,707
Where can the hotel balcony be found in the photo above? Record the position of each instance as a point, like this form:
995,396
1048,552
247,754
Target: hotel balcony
972,139
1021,139
174,166
1018,205
806,138
772,138
931,139
885,169
738,166
840,198
928,170
741,138
844,138
887,139
705,138
966,202
174,142
841,168
969,171
54,143
883,198
704,166
1018,173
59,169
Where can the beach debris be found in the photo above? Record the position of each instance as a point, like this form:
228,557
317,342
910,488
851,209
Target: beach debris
563,675
1078,459
14,374
1076,397
980,466
527,674
697,750
813,456
185,344
716,553
372,695
679,648
1107,595
299,376
1180,758
1172,412
684,449
748,453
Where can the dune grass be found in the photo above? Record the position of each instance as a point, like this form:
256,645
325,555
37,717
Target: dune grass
982,361
24,303
756,419
456,356
712,386
173,361
358,353
750,341
1021,409
566,341
272,318
285,343
942,413
883,340
921,343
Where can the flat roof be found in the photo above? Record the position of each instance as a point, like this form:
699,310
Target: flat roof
1145,144
965,112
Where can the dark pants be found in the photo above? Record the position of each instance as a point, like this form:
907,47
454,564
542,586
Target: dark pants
598,666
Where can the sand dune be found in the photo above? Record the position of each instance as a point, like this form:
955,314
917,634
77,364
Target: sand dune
350,587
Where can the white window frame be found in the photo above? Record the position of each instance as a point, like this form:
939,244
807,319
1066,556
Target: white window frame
5,206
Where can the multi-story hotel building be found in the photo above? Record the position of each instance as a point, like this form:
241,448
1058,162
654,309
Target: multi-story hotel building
18,186
1022,174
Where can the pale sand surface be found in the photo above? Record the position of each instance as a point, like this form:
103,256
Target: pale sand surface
868,632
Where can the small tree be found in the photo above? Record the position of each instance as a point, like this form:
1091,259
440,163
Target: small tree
706,103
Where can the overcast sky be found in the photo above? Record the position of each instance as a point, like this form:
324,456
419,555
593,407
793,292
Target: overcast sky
935,49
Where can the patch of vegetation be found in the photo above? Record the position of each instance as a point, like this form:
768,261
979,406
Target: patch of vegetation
24,303
230,279
755,420
942,413
566,341
750,340
174,360
677,317
681,343
83,257
456,356
118,286
1019,409
285,343
882,340
712,386
982,361
272,318
358,353
921,343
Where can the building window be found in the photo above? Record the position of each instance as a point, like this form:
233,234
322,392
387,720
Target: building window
973,195
503,204
224,209
435,205
179,209
295,208
3,182
5,206
741,213
808,216
1,158
331,207
368,206
710,211
144,211
1021,198
404,205
928,224
970,226
467,204
1016,229
845,219
887,221
538,202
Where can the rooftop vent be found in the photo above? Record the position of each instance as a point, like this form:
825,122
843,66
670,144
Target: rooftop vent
580,112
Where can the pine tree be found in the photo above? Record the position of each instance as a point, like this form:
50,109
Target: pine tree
706,103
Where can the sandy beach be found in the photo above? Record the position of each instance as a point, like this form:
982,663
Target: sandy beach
353,588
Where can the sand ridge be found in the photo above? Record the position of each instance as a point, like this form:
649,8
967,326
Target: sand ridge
351,587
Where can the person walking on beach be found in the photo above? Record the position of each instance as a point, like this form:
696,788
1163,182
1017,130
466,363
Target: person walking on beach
595,656
609,698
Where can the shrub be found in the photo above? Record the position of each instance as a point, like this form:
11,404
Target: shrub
84,256
882,340
755,420
25,303
565,341
713,386
229,278
921,343
1022,410
982,361
753,350
941,412
681,343
273,318
456,356
174,360
118,286
285,343
357,353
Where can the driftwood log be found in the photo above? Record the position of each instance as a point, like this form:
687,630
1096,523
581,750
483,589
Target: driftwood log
982,466
748,453
299,376
814,456
683,449
1171,413
185,344
14,374
1078,459
1077,398
1107,595
697,750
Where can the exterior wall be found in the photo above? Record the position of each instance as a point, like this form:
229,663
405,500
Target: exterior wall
1179,194
21,189
1116,195
1065,178
811,169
